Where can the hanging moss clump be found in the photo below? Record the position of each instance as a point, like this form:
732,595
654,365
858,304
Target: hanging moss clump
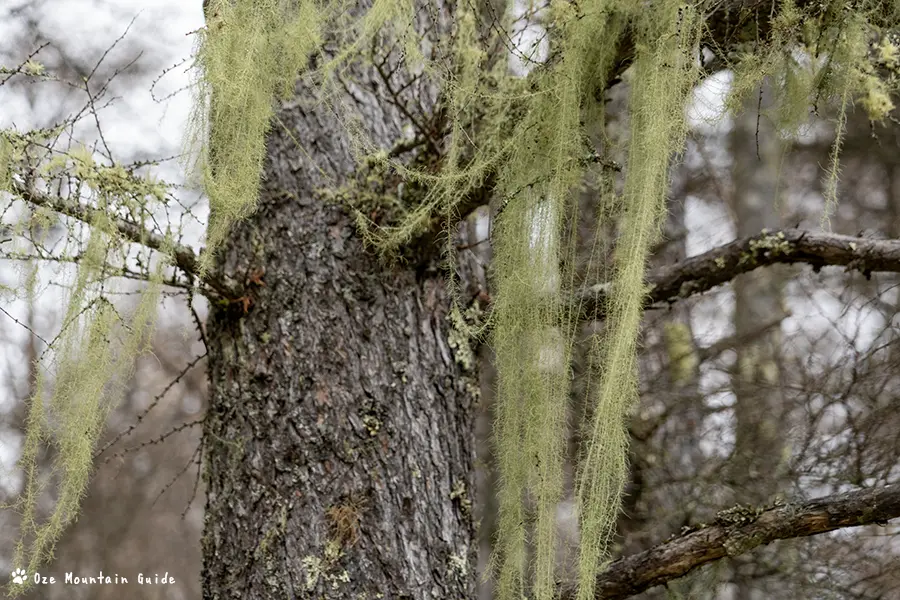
527,137
84,369
664,71
248,53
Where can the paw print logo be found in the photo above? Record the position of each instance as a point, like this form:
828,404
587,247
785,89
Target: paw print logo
18,576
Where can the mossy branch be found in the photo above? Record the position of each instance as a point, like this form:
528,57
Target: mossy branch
182,256
720,265
704,544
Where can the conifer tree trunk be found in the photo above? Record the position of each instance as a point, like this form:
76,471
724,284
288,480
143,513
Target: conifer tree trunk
759,463
340,433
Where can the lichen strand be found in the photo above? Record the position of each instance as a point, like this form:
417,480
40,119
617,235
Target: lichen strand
527,136
248,53
94,362
664,74
84,370
534,327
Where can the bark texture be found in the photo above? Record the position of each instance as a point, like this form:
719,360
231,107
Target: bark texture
340,433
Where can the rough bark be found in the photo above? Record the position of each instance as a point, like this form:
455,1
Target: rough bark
340,433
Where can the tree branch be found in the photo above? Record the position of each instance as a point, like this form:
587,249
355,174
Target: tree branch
183,257
740,530
720,265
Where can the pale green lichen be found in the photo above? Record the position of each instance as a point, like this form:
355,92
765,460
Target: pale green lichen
876,100
313,570
268,43
888,54
464,329
683,360
317,568
738,515
372,424
664,74
458,565
132,192
333,551
458,491
769,245
34,68
92,355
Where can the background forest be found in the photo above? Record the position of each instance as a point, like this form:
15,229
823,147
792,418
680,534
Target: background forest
780,384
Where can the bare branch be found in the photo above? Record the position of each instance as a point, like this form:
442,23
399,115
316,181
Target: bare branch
701,273
740,530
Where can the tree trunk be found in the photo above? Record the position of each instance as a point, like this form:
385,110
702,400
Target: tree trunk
340,433
759,463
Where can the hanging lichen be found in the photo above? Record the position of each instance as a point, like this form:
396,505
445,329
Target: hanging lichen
88,363
534,262
664,71
248,53
826,55
524,136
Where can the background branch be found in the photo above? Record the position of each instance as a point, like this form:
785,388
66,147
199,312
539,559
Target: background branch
720,265
740,530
